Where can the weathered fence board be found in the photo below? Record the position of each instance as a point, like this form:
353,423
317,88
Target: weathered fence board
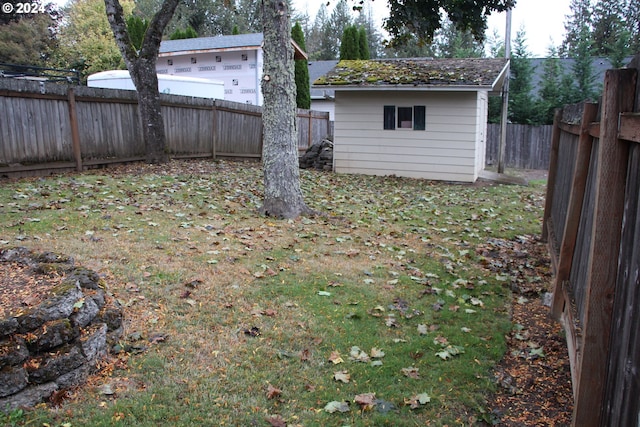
595,199
623,404
528,147
84,126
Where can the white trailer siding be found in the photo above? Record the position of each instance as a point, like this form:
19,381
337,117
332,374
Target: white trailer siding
240,70
446,150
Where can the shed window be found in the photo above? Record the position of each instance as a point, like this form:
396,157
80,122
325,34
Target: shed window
407,117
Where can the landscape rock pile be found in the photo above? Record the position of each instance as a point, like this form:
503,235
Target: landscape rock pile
318,156
52,332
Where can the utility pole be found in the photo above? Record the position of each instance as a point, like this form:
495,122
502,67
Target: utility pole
505,96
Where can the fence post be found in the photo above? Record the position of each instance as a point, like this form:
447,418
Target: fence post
553,171
214,127
75,134
574,210
619,88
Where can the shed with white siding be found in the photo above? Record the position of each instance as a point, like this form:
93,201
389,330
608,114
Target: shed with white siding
419,118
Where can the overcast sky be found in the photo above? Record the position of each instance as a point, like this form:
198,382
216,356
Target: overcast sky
543,20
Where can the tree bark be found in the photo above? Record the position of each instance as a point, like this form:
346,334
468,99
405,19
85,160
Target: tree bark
142,68
282,193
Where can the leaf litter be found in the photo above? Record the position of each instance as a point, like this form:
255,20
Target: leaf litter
197,219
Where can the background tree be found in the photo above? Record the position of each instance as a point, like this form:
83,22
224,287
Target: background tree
86,42
575,24
521,103
550,95
364,20
363,43
29,39
340,19
141,64
350,46
303,93
187,33
450,42
632,21
137,26
419,19
320,40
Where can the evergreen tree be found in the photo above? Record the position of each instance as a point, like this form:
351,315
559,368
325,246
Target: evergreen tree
349,47
339,21
29,39
611,35
320,43
374,38
583,73
363,44
550,95
632,23
451,42
521,105
187,33
303,93
136,26
575,24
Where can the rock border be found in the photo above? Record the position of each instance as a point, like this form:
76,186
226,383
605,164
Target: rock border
57,344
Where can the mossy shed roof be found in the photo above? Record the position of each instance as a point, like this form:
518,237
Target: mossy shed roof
416,74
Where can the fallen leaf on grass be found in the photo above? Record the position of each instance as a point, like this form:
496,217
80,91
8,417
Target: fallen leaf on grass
376,353
342,376
450,351
276,421
358,355
411,372
335,358
336,406
365,400
418,400
273,392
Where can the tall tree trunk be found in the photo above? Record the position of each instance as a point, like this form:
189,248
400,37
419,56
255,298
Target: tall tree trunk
146,82
282,193
142,68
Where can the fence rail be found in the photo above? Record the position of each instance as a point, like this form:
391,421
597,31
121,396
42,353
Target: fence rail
592,226
51,127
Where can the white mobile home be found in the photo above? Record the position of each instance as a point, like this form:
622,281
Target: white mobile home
420,118
174,85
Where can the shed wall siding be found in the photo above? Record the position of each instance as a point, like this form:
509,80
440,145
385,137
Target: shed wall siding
446,150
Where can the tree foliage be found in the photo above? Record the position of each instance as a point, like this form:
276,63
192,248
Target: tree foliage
86,42
303,92
29,39
349,46
363,43
419,19
521,103
187,33
137,26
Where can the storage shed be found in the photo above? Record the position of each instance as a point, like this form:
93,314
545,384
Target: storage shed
420,118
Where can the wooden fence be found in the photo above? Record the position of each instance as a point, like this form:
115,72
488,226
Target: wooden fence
592,226
528,146
47,127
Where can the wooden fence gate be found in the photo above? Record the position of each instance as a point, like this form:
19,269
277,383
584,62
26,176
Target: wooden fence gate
592,226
